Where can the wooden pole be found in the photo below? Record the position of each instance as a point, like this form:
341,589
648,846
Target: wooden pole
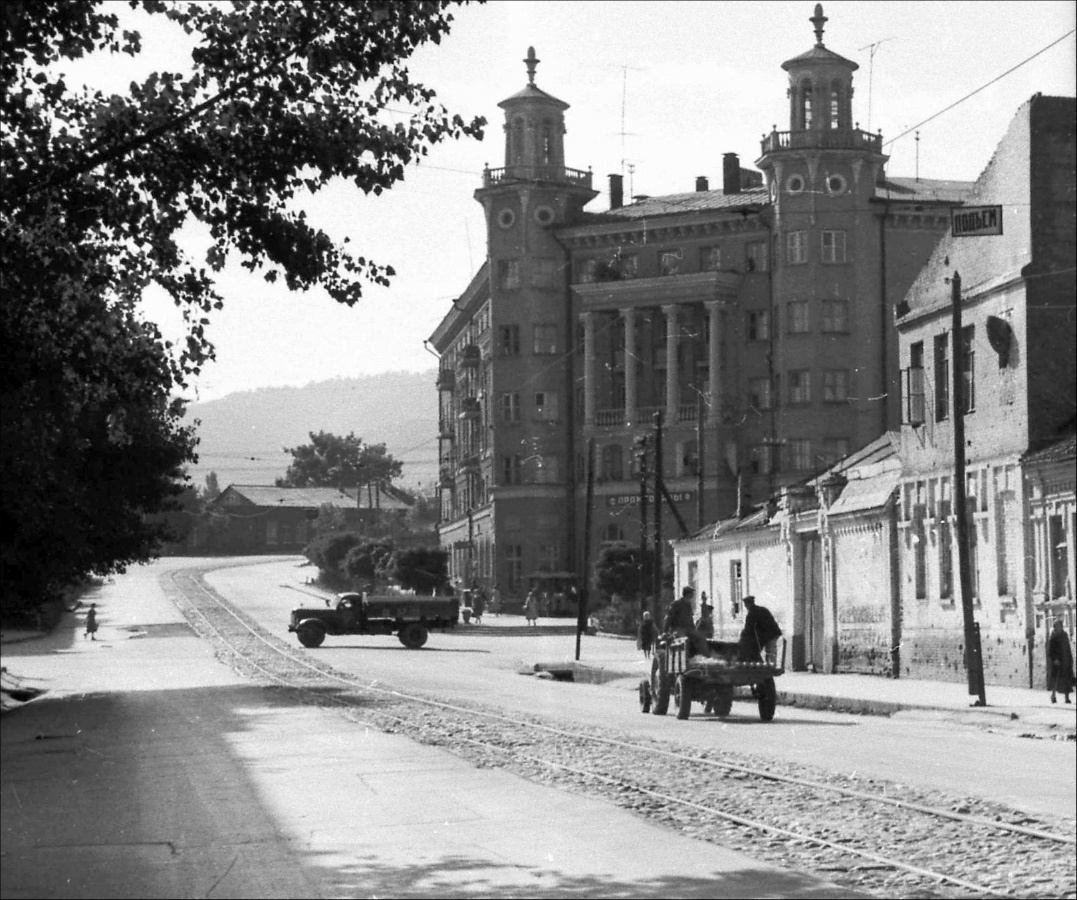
584,587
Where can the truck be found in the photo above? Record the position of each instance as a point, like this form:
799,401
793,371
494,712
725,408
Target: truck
410,618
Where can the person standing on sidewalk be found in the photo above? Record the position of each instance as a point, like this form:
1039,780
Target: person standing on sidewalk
1059,663
91,623
648,631
761,632
495,601
531,608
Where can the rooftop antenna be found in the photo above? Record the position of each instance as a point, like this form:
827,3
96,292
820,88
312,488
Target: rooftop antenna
624,103
631,181
871,70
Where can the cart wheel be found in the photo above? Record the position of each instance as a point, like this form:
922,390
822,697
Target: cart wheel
723,701
682,697
768,699
659,686
644,696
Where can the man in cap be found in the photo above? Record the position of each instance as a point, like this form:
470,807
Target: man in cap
760,632
680,620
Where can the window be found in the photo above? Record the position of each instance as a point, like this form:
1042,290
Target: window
612,462
508,274
759,325
736,583
833,246
613,533
710,259
800,386
942,377
761,459
919,540
946,553
755,256
835,449
549,558
510,407
545,339
588,271
805,105
545,405
798,454
669,262
544,273
835,385
759,393
798,317
271,531
510,340
968,369
514,567
688,458
1058,560
913,386
796,247
510,469
628,265
835,316
544,469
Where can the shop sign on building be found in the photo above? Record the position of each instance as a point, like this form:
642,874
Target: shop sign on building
619,501
975,221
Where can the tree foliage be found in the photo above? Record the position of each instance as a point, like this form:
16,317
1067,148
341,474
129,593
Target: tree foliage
276,100
617,570
340,462
370,562
422,569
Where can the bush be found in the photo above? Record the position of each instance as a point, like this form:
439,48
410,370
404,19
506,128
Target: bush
328,552
369,561
422,569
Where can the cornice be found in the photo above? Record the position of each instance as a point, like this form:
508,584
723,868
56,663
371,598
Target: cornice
658,229
696,286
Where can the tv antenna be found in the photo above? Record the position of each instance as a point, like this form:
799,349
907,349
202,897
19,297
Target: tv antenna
871,70
624,103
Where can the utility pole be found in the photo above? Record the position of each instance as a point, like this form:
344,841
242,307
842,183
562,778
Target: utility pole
657,573
973,651
583,588
641,457
699,459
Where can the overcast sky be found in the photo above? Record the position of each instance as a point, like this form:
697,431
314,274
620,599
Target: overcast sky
663,88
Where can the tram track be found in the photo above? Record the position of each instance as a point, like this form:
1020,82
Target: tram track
871,840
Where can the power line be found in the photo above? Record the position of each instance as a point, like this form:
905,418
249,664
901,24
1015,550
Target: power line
980,88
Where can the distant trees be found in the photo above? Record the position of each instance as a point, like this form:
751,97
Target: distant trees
617,570
422,569
212,490
339,462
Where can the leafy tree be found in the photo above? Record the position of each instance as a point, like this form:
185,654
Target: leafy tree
328,551
617,570
370,561
340,462
212,490
330,518
276,100
422,569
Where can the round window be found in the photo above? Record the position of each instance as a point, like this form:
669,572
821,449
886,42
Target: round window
543,215
794,184
836,184
506,218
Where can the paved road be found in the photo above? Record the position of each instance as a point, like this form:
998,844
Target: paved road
921,749
150,770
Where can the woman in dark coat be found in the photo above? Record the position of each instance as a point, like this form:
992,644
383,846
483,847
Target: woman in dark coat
1059,663
647,634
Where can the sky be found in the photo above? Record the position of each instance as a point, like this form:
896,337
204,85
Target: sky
658,92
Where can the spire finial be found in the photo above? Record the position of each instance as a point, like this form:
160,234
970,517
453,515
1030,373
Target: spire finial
531,62
818,20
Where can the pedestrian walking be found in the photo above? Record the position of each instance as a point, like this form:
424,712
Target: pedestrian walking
648,631
495,601
91,623
478,605
1059,663
544,604
760,634
531,608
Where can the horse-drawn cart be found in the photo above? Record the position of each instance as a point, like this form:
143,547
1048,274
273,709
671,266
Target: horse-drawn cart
682,671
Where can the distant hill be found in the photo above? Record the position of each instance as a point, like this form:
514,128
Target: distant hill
243,435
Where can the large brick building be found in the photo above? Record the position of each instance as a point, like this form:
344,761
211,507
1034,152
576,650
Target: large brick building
755,319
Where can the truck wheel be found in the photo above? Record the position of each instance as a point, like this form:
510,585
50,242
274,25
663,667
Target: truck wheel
659,687
768,699
682,697
413,636
645,696
723,701
310,633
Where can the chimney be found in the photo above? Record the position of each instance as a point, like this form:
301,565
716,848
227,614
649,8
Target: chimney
617,191
701,183
730,173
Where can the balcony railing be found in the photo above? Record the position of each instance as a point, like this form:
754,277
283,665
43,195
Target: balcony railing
686,412
556,174
471,356
470,408
446,380
606,418
823,139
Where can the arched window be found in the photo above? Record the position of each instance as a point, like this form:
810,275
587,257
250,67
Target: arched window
518,142
613,532
612,462
805,105
547,144
835,105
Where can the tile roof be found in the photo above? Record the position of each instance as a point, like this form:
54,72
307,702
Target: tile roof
671,204
934,190
1059,451
310,497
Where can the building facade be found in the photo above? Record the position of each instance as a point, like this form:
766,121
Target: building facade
753,322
